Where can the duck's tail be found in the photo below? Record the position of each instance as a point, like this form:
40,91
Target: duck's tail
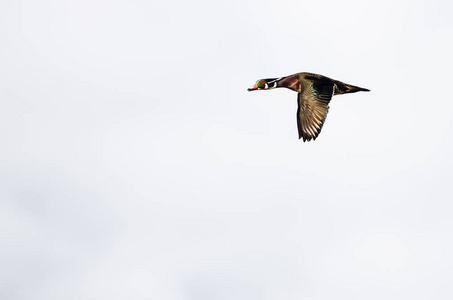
343,88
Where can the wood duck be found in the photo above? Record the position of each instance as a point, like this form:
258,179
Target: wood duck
314,94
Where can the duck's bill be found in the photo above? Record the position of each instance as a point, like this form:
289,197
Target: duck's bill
252,89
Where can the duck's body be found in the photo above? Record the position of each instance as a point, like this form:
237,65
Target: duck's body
314,94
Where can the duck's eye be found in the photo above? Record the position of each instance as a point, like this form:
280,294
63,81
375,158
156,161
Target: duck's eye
260,83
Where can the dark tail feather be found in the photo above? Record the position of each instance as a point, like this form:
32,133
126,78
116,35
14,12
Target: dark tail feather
353,89
343,88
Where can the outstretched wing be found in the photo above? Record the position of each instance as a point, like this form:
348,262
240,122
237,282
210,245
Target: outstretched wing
313,106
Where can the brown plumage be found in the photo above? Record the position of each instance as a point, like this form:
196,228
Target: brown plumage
314,94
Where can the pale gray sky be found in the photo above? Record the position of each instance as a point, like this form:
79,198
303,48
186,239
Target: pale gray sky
135,164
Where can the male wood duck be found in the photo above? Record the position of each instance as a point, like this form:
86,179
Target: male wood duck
314,94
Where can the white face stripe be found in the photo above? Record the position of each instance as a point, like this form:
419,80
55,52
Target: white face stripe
274,82
271,84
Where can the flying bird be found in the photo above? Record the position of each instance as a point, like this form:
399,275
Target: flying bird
314,94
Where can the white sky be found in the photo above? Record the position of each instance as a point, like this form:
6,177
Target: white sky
135,165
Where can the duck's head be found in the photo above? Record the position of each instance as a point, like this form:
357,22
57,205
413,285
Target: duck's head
265,84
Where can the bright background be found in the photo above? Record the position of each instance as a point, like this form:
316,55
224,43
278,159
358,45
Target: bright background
134,164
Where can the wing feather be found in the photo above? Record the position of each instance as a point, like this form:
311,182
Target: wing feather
313,106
